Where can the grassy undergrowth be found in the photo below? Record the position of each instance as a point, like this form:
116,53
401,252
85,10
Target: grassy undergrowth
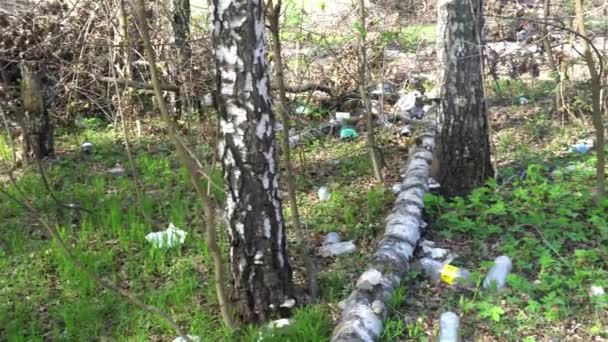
543,218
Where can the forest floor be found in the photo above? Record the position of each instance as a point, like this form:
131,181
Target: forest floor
539,212
549,227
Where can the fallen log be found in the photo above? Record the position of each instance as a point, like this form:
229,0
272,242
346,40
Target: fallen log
364,310
138,85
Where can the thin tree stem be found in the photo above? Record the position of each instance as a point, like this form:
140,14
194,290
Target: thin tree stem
273,13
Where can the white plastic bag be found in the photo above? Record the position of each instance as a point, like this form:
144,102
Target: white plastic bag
168,238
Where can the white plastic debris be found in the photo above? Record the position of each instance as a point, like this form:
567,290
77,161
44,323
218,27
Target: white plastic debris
331,238
449,326
596,291
87,147
279,323
497,276
407,101
522,100
289,303
342,116
428,247
582,147
116,170
168,238
369,279
323,194
337,249
441,271
208,100
433,184
192,338
303,110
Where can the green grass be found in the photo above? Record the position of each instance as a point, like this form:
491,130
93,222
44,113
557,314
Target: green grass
46,295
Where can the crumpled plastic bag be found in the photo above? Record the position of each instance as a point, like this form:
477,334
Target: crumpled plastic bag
167,238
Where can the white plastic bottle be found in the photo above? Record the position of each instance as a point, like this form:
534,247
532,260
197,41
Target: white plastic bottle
497,276
448,274
449,326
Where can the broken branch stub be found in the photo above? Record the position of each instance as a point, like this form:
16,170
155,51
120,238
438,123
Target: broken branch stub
363,311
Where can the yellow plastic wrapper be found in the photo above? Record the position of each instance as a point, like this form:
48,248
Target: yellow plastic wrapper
449,273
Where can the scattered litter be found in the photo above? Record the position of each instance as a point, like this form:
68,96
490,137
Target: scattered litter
348,132
170,237
339,248
323,194
407,101
433,184
448,274
208,100
434,252
522,100
331,238
449,324
582,147
369,279
117,170
192,338
289,303
406,131
342,116
380,89
497,276
596,291
279,323
87,147
417,113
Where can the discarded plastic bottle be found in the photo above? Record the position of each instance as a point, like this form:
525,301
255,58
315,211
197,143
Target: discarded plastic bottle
447,273
449,326
323,194
331,238
497,276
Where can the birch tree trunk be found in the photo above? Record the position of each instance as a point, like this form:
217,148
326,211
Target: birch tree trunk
248,150
273,16
462,159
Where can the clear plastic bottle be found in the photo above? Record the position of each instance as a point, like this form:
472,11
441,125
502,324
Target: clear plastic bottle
447,273
449,326
497,276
